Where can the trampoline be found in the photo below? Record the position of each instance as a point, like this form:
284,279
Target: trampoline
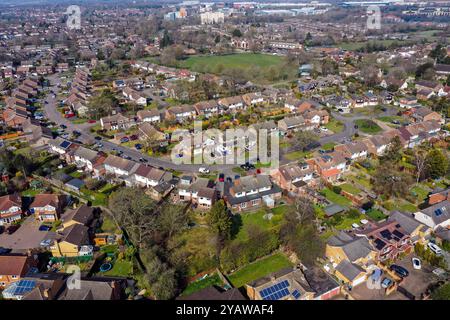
105,267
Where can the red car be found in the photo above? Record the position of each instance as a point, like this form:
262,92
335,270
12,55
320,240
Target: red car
221,177
92,121
12,229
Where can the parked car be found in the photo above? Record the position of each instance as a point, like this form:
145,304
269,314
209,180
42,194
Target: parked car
203,170
143,160
138,146
12,229
76,133
435,248
386,283
124,139
45,243
399,270
416,263
221,177
92,121
98,138
4,250
2,229
63,126
133,137
44,227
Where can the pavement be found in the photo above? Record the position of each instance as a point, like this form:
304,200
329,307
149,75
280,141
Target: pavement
27,236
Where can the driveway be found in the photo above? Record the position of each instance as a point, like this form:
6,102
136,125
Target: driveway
27,236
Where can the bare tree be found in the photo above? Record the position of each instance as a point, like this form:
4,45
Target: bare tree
420,162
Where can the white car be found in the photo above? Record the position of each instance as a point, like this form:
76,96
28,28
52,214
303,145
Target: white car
203,170
416,263
433,247
324,129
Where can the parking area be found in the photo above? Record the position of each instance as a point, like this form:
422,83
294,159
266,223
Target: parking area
27,236
415,283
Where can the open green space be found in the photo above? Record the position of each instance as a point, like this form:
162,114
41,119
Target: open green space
334,125
335,198
347,187
259,269
238,61
368,126
376,215
121,268
213,280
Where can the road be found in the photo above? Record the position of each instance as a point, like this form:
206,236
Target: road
87,137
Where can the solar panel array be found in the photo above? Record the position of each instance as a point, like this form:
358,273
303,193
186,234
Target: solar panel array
65,144
21,287
275,292
296,294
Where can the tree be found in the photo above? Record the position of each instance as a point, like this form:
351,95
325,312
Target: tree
392,153
304,139
237,33
420,162
388,181
442,293
437,164
304,210
172,219
135,212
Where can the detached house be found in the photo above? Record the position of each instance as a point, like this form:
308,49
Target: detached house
47,207
134,96
251,192
73,242
425,114
292,124
253,98
182,113
376,145
13,268
10,209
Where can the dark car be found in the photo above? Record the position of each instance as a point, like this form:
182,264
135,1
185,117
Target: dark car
98,138
124,139
63,126
399,270
4,250
2,228
133,137
12,229
44,228
138,146
221,177
76,133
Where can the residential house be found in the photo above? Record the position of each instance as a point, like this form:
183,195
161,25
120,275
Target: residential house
200,192
181,113
354,150
119,167
417,231
439,196
10,209
232,104
251,192
351,257
83,215
286,284
437,215
73,241
253,98
316,117
47,207
376,145
146,176
94,289
294,177
293,124
85,158
134,96
14,267
152,116
116,122
329,166
424,114
207,108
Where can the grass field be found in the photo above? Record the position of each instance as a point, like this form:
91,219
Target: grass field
121,268
420,192
376,215
336,198
296,155
237,61
259,269
335,126
347,187
213,280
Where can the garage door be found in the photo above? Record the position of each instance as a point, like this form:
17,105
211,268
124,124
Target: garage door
358,281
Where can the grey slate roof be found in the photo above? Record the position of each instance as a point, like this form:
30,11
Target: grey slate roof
407,221
354,248
442,207
349,270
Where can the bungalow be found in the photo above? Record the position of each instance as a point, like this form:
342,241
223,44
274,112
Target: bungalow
148,132
134,96
10,209
251,192
371,99
358,101
119,167
435,216
47,207
232,104
207,108
14,267
428,85
72,242
61,146
152,116
442,69
116,122
146,176
408,102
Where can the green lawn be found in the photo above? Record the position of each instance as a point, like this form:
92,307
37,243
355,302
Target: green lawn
259,269
365,182
389,119
296,155
336,198
420,192
334,125
237,61
258,219
368,126
328,146
31,192
97,199
347,187
121,268
400,205
376,215
213,280
108,224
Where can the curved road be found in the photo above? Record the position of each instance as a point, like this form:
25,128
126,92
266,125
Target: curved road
88,137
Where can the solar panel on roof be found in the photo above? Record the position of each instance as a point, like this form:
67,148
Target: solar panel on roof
438,212
276,291
65,144
296,294
379,244
386,234
398,234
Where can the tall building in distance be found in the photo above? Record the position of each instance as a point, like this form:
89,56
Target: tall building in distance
212,17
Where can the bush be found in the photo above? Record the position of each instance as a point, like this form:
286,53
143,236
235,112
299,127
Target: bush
337,189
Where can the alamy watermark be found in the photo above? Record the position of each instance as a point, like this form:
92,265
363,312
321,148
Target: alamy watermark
73,17
74,281
234,146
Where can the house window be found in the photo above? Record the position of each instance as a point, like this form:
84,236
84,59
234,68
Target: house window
254,202
2,284
14,277
244,205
